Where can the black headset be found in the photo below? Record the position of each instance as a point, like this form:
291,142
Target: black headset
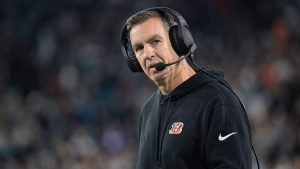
179,34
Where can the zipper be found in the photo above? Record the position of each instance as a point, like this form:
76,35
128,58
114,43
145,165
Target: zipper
158,133
163,121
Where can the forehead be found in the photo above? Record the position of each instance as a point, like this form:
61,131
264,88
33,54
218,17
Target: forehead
148,28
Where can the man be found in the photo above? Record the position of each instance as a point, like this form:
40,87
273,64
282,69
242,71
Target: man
194,120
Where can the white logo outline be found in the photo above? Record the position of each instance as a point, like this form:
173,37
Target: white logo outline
177,128
222,138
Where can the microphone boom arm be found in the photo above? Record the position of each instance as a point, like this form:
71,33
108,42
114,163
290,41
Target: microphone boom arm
161,66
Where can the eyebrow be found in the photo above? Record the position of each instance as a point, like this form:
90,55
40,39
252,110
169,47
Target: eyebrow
151,38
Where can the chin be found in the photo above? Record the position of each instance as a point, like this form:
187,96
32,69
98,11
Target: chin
159,78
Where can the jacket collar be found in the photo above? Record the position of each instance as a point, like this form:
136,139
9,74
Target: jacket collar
201,78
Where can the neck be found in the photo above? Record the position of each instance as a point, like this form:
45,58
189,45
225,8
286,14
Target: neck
178,74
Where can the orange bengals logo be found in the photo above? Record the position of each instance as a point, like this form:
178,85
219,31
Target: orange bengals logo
176,128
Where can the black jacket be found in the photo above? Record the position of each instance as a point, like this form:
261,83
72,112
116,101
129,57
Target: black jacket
200,125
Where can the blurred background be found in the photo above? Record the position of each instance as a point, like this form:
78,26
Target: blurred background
69,101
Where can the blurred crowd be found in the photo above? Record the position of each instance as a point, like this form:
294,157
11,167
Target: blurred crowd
68,100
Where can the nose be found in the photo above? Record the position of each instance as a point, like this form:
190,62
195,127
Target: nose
148,51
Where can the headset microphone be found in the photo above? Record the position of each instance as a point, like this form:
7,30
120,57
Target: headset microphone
161,66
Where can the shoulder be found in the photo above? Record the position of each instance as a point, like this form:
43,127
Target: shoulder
224,93
151,100
228,103
151,103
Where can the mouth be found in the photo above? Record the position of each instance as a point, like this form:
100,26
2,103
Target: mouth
152,65
152,68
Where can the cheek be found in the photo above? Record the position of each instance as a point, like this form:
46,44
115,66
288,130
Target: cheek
169,55
140,60
169,51
172,51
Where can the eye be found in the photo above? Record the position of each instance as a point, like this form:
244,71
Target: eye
156,41
138,48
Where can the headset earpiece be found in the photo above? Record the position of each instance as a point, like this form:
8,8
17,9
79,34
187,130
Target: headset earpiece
181,40
128,52
132,61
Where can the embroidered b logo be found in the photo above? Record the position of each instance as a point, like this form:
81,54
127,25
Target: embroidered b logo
176,128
